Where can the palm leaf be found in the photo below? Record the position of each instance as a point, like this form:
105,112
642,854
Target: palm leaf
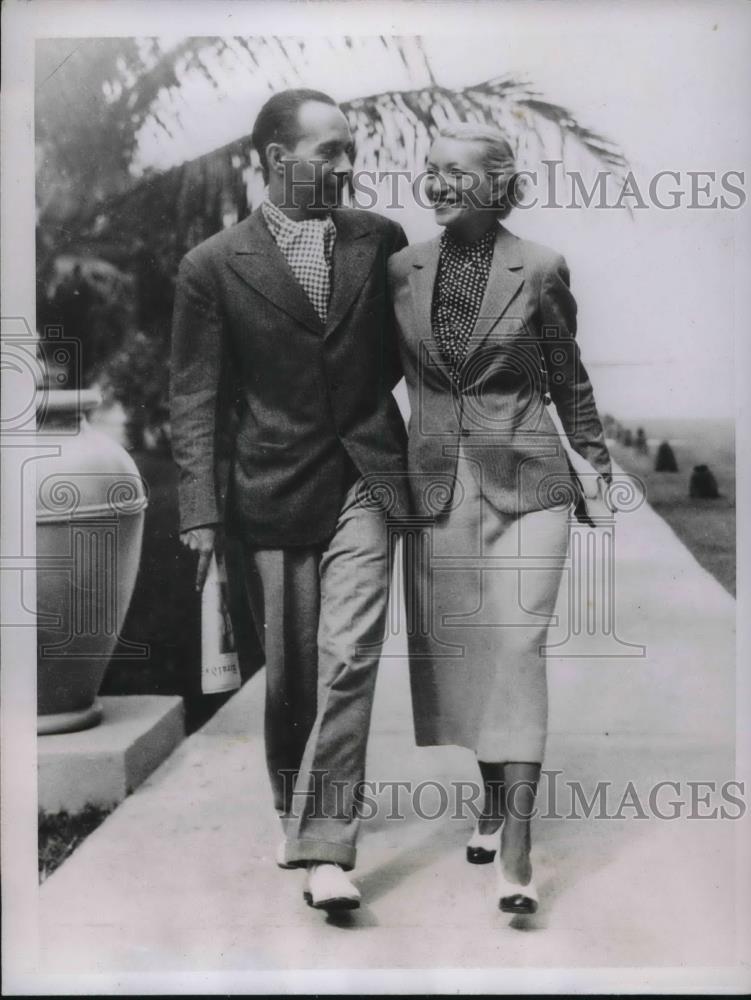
402,121
392,129
505,101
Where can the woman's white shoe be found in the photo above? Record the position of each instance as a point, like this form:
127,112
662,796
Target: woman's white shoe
513,897
483,847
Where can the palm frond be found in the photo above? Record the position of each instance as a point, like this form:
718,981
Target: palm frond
409,117
402,121
393,129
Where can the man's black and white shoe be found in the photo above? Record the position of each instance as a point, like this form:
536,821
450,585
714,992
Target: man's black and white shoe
327,887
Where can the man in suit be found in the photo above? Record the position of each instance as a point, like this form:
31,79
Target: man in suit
290,308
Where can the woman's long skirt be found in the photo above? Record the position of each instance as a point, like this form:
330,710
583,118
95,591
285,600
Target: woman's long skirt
481,591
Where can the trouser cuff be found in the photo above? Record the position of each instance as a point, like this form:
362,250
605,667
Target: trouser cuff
301,852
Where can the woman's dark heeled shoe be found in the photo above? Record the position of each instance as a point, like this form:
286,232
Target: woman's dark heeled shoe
513,897
483,847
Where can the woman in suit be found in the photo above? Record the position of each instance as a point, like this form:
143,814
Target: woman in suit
487,329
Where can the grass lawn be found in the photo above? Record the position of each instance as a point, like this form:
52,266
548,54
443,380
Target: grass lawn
706,527
60,834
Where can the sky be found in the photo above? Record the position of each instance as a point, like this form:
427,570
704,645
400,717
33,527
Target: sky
667,82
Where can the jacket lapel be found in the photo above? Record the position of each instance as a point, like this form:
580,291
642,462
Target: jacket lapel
259,262
504,281
355,250
422,281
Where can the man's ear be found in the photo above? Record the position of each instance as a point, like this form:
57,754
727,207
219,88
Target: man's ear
275,154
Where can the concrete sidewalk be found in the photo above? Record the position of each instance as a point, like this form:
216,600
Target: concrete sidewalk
181,877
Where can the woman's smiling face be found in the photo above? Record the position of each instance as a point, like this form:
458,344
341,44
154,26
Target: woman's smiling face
457,183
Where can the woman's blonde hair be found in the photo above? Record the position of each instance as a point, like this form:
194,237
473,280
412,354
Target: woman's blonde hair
498,157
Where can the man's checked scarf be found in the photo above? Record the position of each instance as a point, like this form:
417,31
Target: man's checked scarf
308,247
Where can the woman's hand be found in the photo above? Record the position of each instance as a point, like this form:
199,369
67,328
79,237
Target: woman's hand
203,541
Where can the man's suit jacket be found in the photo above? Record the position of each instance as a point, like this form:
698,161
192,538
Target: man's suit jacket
522,346
307,399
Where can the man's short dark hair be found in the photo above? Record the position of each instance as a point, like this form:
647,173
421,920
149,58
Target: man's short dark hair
277,120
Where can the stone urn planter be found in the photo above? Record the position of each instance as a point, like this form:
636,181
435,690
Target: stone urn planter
90,504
